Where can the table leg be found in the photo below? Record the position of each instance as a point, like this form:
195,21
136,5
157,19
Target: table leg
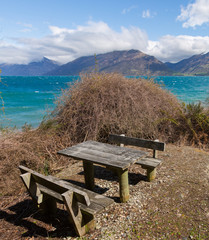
123,185
89,174
151,174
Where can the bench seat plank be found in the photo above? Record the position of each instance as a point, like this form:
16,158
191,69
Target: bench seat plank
63,186
94,207
99,200
149,162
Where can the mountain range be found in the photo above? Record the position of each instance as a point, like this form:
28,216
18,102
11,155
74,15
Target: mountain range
32,69
197,65
129,63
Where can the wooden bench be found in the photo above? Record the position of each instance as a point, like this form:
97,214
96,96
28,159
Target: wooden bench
148,163
81,204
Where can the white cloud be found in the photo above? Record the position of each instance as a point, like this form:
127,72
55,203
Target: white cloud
127,10
195,14
146,14
25,30
175,48
64,45
26,27
11,53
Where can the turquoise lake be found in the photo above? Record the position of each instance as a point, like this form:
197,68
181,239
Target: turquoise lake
29,99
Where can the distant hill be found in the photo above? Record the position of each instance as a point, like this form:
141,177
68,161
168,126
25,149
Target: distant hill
129,63
132,63
31,69
197,65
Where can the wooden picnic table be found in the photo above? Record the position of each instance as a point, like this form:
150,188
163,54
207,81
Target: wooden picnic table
112,156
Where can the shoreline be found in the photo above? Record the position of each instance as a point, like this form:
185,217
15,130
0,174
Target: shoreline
42,93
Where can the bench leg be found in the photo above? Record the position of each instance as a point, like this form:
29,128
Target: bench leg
48,206
123,185
31,186
151,174
89,174
82,221
45,203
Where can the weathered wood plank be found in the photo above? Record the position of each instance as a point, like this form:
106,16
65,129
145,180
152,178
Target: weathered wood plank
77,218
93,208
98,160
50,192
51,183
104,154
96,199
137,142
99,200
100,148
31,186
149,162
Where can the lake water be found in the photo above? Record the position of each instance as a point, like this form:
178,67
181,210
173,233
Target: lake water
28,99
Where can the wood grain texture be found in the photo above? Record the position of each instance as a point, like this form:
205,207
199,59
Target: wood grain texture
149,162
137,142
55,187
104,154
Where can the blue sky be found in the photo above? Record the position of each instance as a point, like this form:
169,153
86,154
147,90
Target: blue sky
63,30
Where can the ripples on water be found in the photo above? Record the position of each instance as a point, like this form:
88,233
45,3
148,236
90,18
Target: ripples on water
187,89
26,99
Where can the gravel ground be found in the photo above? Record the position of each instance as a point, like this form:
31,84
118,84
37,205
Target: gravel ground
173,206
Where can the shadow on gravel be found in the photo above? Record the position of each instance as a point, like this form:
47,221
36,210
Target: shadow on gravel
26,215
111,175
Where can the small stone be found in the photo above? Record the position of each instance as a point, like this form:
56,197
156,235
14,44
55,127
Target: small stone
98,226
123,235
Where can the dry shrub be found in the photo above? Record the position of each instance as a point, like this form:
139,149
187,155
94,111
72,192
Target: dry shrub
97,105
103,103
36,149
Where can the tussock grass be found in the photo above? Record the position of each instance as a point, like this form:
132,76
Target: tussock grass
191,125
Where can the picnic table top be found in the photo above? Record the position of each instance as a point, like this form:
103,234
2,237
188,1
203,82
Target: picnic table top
104,154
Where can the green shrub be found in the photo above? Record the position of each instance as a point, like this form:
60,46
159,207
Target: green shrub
193,123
